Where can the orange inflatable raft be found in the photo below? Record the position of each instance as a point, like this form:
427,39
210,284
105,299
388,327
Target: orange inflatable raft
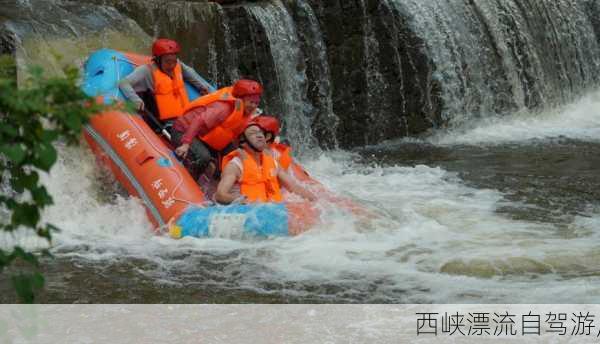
144,163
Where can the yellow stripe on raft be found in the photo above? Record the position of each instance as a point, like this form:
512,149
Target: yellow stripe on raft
175,231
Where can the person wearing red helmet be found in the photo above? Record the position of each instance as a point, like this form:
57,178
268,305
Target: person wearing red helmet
252,174
161,83
213,122
272,128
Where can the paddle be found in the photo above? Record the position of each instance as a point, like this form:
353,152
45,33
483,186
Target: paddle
160,127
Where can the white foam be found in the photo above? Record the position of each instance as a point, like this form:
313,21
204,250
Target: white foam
426,219
579,120
84,209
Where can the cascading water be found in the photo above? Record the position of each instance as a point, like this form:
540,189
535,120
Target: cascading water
375,82
230,66
446,28
494,57
324,121
289,70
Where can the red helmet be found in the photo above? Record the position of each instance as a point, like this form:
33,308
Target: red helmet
164,46
246,87
248,124
268,123
251,122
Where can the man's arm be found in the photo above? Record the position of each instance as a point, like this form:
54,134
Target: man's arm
190,75
289,183
228,178
139,78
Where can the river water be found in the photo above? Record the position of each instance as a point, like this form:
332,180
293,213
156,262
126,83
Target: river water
506,210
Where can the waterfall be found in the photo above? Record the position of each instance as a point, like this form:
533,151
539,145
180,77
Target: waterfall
290,72
227,64
376,102
349,72
496,56
325,121
454,40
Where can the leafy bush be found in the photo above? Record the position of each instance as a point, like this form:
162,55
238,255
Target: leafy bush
32,118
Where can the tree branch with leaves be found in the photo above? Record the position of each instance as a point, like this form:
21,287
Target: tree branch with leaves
32,119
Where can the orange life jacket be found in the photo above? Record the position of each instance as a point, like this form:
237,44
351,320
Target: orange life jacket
257,183
283,154
170,94
223,134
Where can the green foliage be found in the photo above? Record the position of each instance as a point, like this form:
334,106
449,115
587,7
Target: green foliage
32,119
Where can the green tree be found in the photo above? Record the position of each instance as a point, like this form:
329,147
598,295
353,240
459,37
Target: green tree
32,118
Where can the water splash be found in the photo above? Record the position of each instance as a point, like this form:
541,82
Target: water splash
434,240
579,121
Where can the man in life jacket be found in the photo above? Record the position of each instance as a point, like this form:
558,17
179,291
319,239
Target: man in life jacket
252,174
213,123
281,151
161,83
